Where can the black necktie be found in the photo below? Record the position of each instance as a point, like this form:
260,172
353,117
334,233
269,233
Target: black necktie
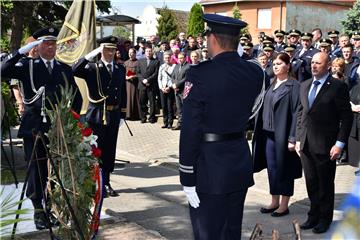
109,69
49,68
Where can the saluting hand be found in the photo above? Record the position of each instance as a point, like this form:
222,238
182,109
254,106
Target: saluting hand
25,49
94,53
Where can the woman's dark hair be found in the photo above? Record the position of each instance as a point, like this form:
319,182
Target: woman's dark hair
286,59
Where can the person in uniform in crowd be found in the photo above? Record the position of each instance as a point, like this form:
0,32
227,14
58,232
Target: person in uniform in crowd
210,133
183,41
248,51
267,40
338,70
16,84
147,72
204,55
166,91
297,65
245,38
325,46
279,40
317,35
334,37
107,96
132,92
305,53
294,38
351,65
41,78
164,46
195,57
178,81
354,138
356,39
258,48
269,52
274,137
323,125
140,53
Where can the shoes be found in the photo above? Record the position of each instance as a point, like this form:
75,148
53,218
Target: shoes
111,192
165,126
308,224
280,214
268,210
40,220
169,126
320,228
53,220
152,121
143,121
176,128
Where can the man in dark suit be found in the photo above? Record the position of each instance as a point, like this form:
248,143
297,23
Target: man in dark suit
41,78
147,72
107,90
323,125
215,162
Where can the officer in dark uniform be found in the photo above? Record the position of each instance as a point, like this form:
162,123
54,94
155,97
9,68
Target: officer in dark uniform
297,65
294,38
334,36
325,46
269,51
356,41
40,78
245,38
248,51
305,53
107,95
279,39
215,162
258,48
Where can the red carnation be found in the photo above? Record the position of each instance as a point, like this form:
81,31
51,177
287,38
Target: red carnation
96,152
80,125
75,114
86,132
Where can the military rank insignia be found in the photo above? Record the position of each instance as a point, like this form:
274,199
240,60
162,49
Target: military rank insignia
187,89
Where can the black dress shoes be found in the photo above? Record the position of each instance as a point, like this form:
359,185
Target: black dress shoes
40,220
320,228
308,224
280,214
268,210
176,128
143,121
111,192
165,126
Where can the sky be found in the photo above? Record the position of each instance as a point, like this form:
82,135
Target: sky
135,8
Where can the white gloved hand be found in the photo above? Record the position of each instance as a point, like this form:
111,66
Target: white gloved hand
240,50
192,196
25,49
93,53
122,121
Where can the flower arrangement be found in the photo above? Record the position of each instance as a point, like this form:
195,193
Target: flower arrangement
73,147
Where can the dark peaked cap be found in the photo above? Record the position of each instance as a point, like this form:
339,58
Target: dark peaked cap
46,34
222,24
108,42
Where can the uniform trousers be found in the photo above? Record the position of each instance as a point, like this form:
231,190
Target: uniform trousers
107,138
219,217
179,104
167,102
277,185
319,173
147,95
37,171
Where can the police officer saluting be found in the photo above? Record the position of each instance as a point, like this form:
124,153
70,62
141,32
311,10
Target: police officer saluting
215,162
107,96
40,78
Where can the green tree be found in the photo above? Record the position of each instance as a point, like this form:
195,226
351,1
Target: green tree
196,22
167,27
237,14
121,32
352,21
28,16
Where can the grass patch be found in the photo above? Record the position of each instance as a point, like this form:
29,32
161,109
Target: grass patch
7,177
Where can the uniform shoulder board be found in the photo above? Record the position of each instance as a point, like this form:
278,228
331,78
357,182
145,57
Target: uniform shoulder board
87,66
101,65
37,61
19,64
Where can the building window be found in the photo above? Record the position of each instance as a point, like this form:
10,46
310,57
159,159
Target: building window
264,19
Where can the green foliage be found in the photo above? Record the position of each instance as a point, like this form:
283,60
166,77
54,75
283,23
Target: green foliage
237,15
196,22
8,205
121,32
6,11
352,21
10,110
74,161
167,27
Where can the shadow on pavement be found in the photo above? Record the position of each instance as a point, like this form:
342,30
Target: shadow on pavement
143,170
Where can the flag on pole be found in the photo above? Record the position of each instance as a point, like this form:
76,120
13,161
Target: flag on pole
77,36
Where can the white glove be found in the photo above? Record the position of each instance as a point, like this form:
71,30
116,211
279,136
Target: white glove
122,121
240,50
25,49
192,196
93,53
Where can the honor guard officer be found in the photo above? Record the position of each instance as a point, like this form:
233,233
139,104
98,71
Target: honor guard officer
245,38
294,37
215,162
334,36
107,101
325,46
248,51
305,53
356,41
279,39
297,65
40,78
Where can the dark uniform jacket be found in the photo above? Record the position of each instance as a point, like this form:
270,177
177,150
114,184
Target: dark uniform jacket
112,86
306,57
18,67
149,72
178,75
329,119
279,47
218,98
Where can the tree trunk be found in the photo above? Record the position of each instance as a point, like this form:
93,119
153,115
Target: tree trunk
16,26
